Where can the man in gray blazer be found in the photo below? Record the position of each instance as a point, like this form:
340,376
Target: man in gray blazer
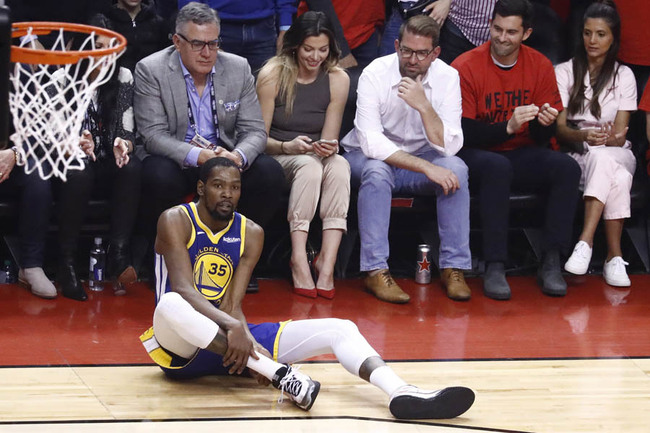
193,103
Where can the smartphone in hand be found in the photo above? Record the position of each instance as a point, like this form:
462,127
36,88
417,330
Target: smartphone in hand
327,141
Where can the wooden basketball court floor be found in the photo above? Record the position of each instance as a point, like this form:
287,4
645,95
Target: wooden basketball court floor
537,364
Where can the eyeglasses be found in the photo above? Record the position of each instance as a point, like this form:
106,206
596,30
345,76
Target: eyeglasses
198,45
407,53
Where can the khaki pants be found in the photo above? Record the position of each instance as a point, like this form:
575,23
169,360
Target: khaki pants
312,178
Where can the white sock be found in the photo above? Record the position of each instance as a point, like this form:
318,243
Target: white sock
386,379
264,366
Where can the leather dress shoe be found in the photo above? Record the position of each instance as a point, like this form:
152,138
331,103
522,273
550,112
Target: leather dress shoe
128,276
71,287
119,268
37,282
454,281
385,288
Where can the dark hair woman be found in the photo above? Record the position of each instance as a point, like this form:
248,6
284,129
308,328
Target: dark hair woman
599,95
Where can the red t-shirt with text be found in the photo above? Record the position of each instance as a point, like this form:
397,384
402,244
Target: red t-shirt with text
491,94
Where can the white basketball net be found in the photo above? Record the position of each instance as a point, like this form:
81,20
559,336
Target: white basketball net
48,104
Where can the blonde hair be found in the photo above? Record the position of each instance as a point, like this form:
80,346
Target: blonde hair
284,72
283,68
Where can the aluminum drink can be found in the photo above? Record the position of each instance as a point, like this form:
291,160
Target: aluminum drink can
423,270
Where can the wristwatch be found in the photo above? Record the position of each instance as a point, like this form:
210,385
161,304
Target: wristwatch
18,156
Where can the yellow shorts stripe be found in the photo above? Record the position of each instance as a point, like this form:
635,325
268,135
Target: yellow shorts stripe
276,343
159,355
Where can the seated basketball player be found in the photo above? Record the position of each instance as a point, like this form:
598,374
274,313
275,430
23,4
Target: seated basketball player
205,254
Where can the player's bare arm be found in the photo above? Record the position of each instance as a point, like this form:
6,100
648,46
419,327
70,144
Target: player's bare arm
235,295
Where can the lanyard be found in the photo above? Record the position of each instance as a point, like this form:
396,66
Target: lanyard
213,105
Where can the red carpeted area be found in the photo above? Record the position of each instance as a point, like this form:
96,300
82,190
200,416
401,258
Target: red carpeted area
594,320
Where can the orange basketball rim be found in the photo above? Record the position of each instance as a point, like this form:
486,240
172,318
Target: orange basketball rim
32,55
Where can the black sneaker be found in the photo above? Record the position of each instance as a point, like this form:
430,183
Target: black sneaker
298,386
410,402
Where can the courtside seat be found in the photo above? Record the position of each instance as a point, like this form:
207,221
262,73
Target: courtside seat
414,219
96,219
96,223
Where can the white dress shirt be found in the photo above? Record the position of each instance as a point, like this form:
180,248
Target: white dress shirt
385,123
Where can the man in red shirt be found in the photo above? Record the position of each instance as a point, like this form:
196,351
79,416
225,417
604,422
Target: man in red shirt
510,103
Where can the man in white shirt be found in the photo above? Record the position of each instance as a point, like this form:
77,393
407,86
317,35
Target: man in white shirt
407,131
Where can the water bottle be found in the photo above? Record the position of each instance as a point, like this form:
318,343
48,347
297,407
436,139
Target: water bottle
97,266
7,274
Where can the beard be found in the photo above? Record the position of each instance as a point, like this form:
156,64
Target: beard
221,216
410,73
503,50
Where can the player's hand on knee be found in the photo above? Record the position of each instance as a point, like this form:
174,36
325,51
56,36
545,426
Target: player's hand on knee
240,347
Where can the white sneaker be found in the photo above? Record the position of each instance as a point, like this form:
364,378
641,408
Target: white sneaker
410,402
298,386
615,274
578,263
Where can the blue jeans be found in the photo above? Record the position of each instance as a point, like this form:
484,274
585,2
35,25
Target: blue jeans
378,181
254,40
391,32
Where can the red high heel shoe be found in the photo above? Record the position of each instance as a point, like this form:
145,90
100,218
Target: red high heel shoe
323,293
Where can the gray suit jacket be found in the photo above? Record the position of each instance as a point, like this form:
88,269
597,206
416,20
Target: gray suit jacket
160,106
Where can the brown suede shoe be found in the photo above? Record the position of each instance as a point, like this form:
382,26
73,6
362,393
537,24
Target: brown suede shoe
385,288
454,281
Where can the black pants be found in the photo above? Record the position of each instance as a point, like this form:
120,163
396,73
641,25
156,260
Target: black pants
34,202
102,179
165,184
34,195
531,169
452,42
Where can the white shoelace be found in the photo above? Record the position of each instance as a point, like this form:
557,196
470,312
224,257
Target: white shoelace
289,383
618,264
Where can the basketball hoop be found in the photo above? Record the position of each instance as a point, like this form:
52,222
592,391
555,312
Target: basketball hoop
52,89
